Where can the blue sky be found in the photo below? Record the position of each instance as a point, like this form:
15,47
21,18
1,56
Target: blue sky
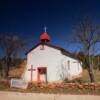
28,17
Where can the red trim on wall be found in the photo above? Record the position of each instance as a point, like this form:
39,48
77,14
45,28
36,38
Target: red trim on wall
38,74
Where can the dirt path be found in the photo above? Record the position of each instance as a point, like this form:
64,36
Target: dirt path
38,96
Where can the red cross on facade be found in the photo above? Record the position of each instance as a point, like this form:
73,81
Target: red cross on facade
31,72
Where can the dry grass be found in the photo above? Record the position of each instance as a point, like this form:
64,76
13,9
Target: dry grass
97,75
86,78
17,72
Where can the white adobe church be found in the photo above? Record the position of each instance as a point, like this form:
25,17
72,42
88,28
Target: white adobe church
50,63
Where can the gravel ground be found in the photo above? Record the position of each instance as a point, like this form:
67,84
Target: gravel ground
40,96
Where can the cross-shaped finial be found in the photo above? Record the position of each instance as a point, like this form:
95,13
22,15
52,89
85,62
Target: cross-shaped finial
45,29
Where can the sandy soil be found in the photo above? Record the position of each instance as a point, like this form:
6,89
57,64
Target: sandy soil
39,96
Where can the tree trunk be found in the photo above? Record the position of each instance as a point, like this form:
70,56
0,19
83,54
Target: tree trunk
90,69
7,71
91,74
8,61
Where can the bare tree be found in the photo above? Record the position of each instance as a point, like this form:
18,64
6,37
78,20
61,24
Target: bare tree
87,34
11,44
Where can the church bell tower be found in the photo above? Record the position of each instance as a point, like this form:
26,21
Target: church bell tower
44,36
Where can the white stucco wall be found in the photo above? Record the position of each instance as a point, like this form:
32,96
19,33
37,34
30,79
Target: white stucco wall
53,59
